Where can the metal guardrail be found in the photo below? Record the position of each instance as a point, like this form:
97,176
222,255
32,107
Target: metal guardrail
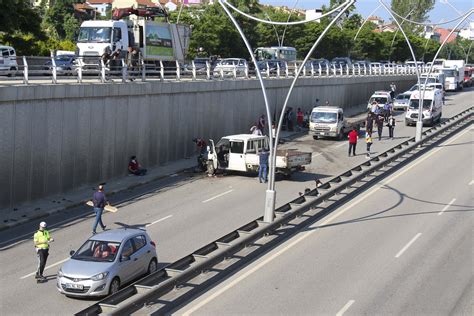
117,70
178,274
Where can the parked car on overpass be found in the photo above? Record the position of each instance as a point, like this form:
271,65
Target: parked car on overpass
65,65
228,66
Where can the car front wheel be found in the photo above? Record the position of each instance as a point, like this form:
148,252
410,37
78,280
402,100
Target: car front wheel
152,266
114,286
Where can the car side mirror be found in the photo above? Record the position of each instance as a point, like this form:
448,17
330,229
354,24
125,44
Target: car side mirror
124,258
71,253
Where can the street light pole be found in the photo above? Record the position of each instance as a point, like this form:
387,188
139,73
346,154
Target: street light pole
269,212
289,16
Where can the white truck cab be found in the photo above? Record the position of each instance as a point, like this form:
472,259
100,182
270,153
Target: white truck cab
8,64
432,106
241,153
327,121
95,35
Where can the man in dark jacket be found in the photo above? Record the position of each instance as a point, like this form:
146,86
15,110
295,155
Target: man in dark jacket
99,200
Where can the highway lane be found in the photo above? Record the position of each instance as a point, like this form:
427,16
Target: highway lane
184,213
403,247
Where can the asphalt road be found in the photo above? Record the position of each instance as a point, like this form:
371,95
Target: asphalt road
181,214
404,247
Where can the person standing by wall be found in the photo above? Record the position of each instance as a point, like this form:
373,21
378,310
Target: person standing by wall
263,165
99,200
299,119
391,126
41,239
353,136
393,88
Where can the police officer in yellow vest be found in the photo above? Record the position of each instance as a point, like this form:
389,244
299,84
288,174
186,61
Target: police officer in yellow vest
42,239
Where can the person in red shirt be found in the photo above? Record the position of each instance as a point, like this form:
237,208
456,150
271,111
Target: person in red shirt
299,119
353,136
135,168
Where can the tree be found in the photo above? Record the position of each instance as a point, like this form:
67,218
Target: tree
418,10
57,16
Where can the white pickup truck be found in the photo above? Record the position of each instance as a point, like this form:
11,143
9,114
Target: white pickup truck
240,153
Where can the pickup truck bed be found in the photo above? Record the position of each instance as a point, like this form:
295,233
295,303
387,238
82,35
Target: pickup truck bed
291,159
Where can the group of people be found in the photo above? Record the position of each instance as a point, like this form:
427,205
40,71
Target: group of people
112,60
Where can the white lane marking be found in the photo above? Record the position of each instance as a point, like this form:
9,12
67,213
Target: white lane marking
343,144
345,308
472,182
174,175
307,233
46,268
316,155
400,253
447,206
219,195
158,220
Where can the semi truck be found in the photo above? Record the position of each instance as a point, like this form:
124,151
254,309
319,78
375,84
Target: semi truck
155,40
454,74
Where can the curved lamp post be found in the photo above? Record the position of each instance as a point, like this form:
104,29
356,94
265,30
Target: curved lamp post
270,192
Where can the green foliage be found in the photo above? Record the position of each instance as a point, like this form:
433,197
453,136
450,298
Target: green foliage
58,18
417,10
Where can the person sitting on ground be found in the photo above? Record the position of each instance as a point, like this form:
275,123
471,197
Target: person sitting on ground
135,168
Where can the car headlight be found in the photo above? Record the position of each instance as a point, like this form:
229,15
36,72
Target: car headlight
99,276
60,273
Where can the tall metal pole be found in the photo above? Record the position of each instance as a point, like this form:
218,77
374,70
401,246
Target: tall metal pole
419,122
271,193
287,20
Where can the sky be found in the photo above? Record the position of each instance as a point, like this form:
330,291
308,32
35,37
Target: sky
365,7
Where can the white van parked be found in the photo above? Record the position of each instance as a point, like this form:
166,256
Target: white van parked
381,97
432,106
8,64
327,121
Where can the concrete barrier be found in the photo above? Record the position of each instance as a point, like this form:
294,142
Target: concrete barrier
54,138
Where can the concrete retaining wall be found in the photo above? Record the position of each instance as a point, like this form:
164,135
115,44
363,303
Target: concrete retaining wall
54,138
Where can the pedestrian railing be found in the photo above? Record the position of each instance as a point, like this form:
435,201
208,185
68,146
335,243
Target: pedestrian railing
94,69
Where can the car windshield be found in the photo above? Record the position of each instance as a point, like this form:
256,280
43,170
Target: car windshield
94,35
323,117
415,104
228,62
63,58
379,100
97,250
449,73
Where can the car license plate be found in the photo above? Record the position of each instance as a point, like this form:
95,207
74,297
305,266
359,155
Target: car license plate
74,286
321,133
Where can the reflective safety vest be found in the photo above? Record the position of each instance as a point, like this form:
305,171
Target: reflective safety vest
42,237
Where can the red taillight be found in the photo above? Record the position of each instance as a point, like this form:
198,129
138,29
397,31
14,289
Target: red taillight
153,243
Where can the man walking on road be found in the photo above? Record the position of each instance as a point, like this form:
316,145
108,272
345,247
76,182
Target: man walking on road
99,201
353,135
41,240
263,165
379,120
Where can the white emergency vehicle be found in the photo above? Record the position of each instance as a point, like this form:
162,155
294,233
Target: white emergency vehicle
432,106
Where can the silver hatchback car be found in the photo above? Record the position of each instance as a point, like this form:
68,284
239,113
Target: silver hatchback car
106,261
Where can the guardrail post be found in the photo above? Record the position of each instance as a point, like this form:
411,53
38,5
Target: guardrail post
79,69
286,69
194,69
124,70
102,71
319,69
221,73
234,71
304,71
296,69
246,71
162,71
178,71
208,70
312,70
278,70
347,69
328,67
143,70
55,70
268,70
25,70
